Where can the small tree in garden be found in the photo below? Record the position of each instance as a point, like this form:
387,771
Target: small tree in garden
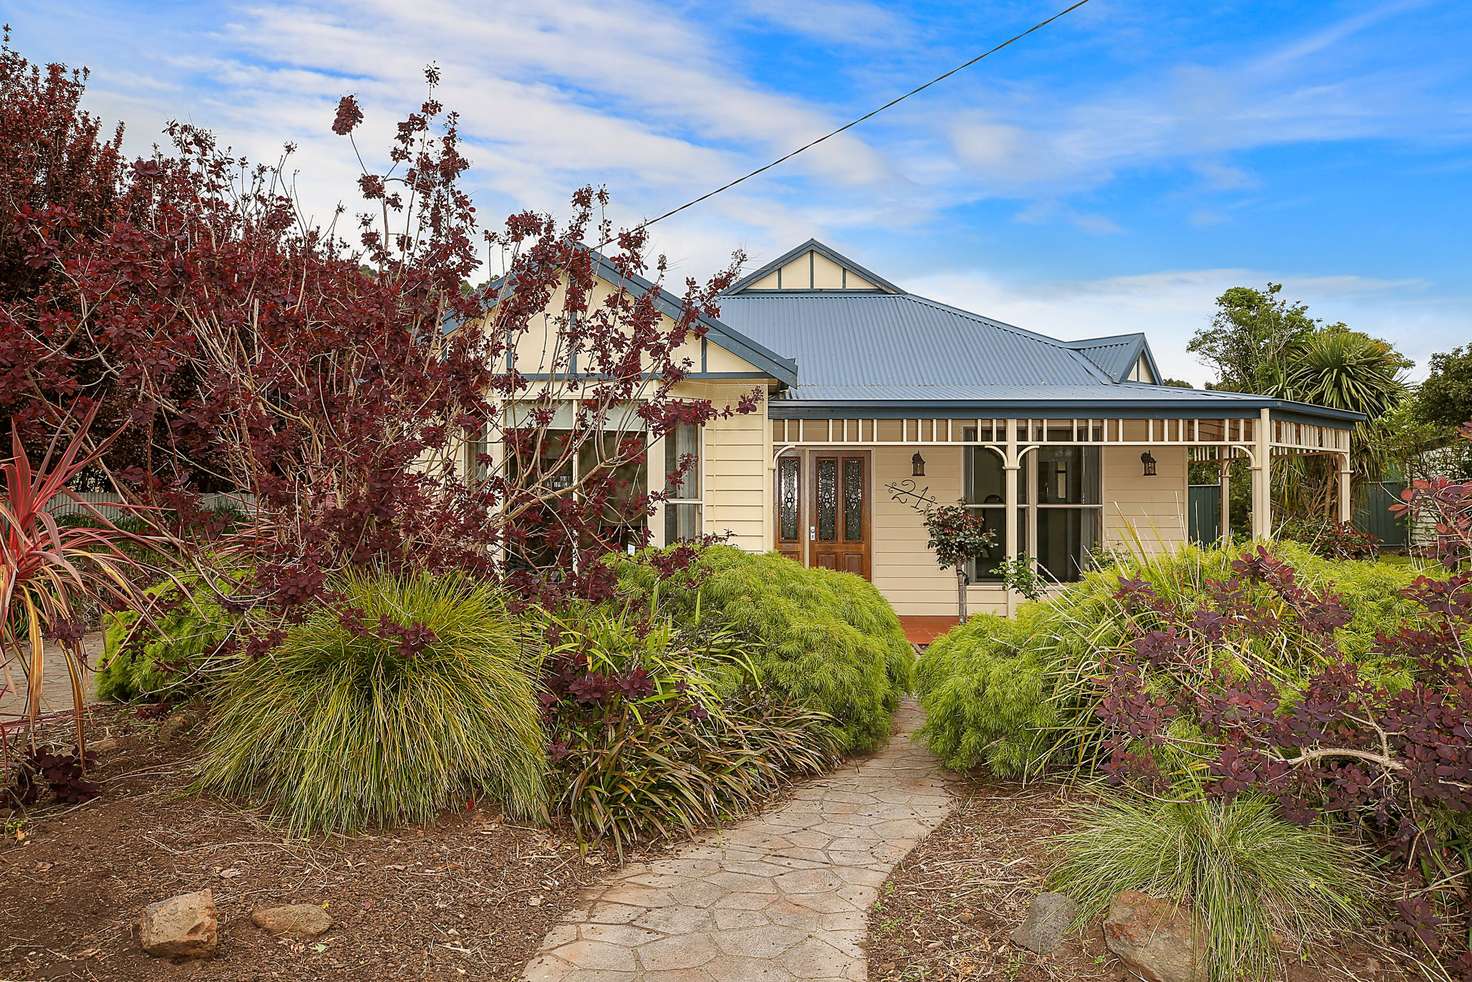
958,535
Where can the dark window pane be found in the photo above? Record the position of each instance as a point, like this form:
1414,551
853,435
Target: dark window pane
613,468
1066,538
827,499
787,500
986,478
853,499
984,568
1068,475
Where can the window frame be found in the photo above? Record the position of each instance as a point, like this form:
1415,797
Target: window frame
696,503
1029,504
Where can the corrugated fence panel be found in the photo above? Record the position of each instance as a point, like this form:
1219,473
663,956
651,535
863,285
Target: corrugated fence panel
103,502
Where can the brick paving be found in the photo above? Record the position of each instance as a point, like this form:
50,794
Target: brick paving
781,896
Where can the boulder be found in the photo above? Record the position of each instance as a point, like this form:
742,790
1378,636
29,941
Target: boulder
297,920
180,927
1155,939
1047,924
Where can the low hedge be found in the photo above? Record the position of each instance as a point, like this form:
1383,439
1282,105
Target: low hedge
819,639
1005,694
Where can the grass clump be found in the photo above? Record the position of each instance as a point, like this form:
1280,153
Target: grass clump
408,695
1251,878
817,639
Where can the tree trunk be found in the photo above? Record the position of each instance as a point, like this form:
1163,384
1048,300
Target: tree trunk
961,593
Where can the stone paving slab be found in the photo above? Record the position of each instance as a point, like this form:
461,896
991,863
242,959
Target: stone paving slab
781,896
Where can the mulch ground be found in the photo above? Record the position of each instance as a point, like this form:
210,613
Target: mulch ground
948,909
468,897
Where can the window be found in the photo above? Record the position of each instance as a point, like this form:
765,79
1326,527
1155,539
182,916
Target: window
1059,508
607,467
682,512
1068,509
986,492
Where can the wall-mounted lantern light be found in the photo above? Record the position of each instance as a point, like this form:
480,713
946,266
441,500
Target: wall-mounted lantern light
917,465
1149,463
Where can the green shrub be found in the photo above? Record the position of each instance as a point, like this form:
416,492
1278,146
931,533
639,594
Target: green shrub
1252,880
1019,696
164,655
658,731
818,639
408,696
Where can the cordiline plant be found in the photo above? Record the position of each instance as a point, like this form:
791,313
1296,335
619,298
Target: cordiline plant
53,576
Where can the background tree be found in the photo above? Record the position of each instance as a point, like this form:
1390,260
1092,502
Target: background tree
1250,335
1445,397
1262,343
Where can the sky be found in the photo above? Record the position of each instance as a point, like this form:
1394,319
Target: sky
1114,172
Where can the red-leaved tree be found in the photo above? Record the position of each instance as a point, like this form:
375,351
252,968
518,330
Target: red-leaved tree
336,382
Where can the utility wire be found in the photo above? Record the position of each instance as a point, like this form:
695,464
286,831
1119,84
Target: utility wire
868,115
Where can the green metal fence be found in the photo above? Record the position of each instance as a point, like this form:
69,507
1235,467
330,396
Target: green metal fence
1204,512
1371,514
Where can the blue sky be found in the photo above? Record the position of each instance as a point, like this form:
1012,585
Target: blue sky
1112,173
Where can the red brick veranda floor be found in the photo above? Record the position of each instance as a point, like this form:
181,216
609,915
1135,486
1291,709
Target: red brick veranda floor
923,629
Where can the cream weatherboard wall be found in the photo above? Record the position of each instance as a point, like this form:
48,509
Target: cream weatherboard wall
1144,511
736,491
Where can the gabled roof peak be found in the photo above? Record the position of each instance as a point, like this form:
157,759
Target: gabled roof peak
812,267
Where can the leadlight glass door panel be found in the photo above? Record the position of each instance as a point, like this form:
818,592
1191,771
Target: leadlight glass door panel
839,517
790,520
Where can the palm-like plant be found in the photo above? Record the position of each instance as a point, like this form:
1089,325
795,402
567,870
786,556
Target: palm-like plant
1341,369
50,574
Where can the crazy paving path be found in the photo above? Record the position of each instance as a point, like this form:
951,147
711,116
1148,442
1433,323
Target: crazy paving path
781,896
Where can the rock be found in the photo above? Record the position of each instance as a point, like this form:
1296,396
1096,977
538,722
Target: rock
297,920
169,730
1048,921
180,927
1155,939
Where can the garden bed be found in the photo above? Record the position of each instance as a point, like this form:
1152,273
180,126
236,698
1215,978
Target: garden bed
466,897
948,909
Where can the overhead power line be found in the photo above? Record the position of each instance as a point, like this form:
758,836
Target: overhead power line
868,115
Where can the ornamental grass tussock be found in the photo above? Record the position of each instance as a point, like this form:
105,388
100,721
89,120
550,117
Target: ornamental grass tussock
406,696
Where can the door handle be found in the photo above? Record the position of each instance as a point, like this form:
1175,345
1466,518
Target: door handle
812,533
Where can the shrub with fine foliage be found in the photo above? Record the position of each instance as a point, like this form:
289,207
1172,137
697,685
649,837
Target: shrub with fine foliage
163,656
406,696
819,639
658,731
1017,695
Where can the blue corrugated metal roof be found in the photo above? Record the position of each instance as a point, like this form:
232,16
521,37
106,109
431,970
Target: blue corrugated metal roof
1115,355
890,342
904,352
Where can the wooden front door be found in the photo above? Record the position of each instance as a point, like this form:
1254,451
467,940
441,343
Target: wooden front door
838,511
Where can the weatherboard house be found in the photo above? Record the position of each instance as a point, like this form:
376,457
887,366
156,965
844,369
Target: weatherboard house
878,403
